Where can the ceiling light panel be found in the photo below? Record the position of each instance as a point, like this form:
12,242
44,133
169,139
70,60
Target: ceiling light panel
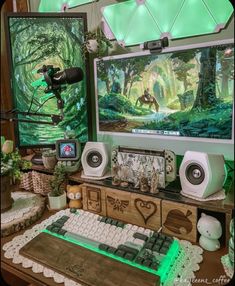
136,21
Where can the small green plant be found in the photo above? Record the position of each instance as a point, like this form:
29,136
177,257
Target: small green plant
102,42
56,183
49,153
12,163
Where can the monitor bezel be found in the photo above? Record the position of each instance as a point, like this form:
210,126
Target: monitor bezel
79,15
64,141
155,136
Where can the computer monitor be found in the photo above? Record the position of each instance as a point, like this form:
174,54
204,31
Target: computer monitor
180,99
68,150
34,40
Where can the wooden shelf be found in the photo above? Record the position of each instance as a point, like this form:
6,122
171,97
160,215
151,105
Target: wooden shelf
226,205
223,205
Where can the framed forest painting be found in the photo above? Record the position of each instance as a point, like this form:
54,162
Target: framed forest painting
50,39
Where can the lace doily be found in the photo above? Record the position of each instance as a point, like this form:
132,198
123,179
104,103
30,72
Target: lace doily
228,268
187,262
220,195
23,203
181,272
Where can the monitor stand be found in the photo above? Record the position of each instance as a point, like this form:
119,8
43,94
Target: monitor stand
37,159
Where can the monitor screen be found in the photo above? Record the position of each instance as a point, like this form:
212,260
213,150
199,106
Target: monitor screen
67,149
180,93
41,39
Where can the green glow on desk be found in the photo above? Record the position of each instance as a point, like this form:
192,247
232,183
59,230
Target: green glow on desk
164,265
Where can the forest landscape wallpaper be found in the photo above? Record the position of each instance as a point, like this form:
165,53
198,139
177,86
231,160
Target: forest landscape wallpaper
184,93
38,41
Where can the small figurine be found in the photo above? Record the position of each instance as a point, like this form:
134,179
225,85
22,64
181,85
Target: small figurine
154,182
124,184
116,179
144,187
124,176
74,193
210,229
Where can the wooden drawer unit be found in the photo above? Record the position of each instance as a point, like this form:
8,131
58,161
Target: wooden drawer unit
133,208
179,220
93,199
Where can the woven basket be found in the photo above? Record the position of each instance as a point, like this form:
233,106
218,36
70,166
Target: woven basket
41,183
26,182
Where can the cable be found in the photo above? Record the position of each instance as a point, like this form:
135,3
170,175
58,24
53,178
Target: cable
43,104
31,103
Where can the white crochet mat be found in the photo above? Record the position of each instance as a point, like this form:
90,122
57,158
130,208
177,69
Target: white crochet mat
220,195
228,268
24,202
181,272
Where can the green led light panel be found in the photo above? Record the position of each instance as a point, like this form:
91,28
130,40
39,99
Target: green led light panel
119,24
137,21
221,11
188,24
57,5
137,29
164,12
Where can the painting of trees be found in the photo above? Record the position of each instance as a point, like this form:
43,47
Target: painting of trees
103,71
38,41
132,70
206,91
226,70
182,67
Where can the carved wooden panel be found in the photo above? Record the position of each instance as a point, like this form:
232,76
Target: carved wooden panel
118,204
137,209
146,211
179,220
94,199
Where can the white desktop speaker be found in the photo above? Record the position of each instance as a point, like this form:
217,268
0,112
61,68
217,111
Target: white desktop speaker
201,174
95,159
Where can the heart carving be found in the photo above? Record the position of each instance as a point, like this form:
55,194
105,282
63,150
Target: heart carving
146,209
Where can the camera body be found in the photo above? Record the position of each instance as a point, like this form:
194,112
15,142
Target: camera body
157,45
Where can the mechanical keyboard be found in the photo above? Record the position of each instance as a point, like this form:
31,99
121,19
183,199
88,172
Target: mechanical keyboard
136,246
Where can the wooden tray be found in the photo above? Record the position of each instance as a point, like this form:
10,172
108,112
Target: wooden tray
26,220
83,265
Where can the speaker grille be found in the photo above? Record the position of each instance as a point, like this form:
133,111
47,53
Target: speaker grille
94,159
195,174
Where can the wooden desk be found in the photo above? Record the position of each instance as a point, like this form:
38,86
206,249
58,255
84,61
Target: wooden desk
211,267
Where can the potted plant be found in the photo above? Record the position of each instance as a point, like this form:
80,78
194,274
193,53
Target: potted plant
96,43
49,159
11,166
57,196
